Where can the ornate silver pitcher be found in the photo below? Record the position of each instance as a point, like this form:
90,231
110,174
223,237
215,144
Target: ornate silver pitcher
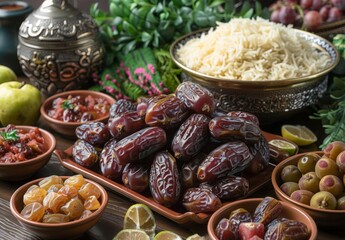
59,47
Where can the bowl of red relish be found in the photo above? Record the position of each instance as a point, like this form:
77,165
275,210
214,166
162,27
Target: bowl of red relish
65,111
24,150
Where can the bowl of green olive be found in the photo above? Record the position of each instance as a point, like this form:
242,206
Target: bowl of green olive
315,182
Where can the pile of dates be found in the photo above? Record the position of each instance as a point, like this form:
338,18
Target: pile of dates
264,223
177,147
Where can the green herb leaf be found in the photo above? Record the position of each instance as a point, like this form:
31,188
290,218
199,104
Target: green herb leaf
245,8
249,13
66,104
10,136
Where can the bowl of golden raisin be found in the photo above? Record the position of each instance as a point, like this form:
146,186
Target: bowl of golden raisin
315,182
63,206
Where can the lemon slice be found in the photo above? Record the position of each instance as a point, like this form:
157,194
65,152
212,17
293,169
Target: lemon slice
284,146
167,235
301,135
131,234
140,216
195,237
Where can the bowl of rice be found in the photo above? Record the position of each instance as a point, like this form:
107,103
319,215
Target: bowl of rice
258,66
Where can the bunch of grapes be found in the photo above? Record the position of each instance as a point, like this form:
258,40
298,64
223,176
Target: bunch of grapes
309,14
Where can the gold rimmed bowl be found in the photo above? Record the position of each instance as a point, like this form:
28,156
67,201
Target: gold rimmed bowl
270,100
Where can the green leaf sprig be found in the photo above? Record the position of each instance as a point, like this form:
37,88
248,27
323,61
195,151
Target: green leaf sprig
66,104
10,136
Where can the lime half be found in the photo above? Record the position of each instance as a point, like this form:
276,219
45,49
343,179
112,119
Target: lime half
195,237
140,216
301,135
131,234
284,146
167,235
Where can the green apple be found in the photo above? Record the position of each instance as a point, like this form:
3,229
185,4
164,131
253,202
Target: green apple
19,103
6,74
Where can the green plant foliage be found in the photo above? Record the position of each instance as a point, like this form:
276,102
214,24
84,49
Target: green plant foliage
333,116
130,25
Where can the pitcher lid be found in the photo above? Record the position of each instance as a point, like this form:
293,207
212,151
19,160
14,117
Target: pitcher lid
57,21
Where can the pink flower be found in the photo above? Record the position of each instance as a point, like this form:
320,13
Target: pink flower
155,89
148,76
151,68
139,70
107,77
110,89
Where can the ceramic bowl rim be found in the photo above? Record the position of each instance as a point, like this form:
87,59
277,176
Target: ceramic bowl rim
94,214
48,100
39,157
26,8
288,199
262,83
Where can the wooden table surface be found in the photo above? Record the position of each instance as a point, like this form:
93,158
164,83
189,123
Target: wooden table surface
112,219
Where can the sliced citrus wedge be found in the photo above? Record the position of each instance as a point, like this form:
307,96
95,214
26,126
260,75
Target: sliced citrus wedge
131,234
195,237
167,235
140,216
284,146
301,135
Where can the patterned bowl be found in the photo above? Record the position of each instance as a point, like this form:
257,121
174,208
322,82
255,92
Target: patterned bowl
270,100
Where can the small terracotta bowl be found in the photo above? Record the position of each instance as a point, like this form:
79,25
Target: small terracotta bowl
23,170
289,211
67,129
330,219
69,230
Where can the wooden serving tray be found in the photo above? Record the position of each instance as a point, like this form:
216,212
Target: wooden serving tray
176,213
